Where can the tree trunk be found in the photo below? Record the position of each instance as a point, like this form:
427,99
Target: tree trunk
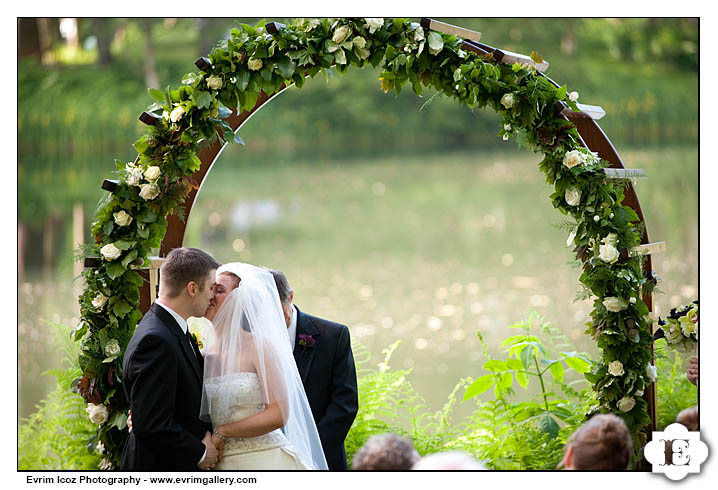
150,71
28,39
104,33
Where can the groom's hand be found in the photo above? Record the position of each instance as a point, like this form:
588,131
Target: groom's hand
210,458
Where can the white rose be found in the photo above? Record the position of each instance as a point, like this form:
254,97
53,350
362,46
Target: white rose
112,348
573,96
359,42
176,113
572,158
152,173
613,304
110,252
632,300
254,64
99,300
419,34
98,413
572,196
615,368
214,82
165,115
134,176
149,191
122,218
506,137
106,464
507,127
597,218
639,393
341,34
651,372
100,447
626,403
608,253
374,23
508,101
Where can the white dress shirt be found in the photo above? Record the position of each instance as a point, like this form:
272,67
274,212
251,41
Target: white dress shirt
292,330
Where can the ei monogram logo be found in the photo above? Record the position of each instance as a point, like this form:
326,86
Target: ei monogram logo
676,452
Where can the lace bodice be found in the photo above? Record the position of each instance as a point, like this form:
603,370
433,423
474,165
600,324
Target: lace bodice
241,396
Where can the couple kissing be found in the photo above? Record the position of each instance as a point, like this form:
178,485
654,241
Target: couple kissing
275,391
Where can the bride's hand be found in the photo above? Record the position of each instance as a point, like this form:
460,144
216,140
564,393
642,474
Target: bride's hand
219,444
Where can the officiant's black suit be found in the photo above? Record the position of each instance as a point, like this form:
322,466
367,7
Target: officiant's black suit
163,381
330,382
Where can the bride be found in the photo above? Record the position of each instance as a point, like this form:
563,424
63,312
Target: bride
253,395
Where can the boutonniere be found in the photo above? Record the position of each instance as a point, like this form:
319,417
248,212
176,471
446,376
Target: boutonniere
196,339
306,341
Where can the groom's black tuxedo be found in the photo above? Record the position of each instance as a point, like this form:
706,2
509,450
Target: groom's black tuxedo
330,382
163,381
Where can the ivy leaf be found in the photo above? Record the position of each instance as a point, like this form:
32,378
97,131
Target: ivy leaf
202,99
238,139
479,386
129,258
115,270
124,244
561,92
156,94
436,43
141,144
146,216
121,308
286,68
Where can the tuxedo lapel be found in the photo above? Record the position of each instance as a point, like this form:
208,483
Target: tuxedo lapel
304,355
171,323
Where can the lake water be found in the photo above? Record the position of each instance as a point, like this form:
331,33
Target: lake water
429,251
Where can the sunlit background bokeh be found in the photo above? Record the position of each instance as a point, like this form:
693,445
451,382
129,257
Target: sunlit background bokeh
404,218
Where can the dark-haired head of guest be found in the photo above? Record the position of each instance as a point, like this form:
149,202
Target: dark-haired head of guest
602,443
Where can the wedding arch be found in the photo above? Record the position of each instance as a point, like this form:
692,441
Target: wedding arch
187,128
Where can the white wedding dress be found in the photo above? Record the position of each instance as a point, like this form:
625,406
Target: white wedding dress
270,451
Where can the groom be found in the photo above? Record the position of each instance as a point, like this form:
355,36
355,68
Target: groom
322,351
162,372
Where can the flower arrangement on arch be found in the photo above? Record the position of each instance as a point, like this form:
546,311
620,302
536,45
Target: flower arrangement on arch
680,328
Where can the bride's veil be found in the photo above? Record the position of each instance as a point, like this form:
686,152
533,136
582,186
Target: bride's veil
251,336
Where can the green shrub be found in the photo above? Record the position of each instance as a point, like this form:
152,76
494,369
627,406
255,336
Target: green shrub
56,436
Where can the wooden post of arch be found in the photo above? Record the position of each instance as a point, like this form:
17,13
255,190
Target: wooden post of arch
592,136
174,237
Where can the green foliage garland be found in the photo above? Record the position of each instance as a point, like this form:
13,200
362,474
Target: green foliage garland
132,219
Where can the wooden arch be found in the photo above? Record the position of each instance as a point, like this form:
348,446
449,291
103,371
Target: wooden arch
591,134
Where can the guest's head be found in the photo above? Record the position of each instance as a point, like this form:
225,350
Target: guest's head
385,452
602,443
689,418
186,278
224,284
449,460
286,294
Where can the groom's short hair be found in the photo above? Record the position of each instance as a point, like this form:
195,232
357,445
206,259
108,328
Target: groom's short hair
184,265
282,286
